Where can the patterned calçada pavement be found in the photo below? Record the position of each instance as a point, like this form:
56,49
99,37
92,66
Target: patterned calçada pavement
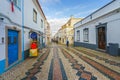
57,62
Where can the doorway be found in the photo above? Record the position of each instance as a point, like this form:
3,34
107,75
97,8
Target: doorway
101,38
12,46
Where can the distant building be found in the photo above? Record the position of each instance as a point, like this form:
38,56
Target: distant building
66,32
100,30
60,35
47,34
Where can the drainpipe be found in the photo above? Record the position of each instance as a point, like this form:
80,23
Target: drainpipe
22,29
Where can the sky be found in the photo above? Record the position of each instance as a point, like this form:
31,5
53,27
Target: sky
58,12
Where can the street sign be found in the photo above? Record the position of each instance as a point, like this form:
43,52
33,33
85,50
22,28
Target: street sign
33,35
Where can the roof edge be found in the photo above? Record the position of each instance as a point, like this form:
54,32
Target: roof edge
96,11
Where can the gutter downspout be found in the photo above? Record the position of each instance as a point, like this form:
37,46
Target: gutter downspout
22,29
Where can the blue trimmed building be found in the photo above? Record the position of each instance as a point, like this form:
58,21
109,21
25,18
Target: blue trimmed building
34,21
100,29
11,51
18,19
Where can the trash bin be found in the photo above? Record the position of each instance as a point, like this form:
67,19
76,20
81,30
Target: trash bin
113,49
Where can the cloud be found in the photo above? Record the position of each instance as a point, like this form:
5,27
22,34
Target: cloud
77,7
56,23
58,13
61,13
67,10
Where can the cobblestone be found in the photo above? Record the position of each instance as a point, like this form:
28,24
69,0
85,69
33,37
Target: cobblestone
67,64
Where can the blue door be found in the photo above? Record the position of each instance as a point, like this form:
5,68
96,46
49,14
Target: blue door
12,46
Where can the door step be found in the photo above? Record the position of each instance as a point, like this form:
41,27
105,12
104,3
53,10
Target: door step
102,50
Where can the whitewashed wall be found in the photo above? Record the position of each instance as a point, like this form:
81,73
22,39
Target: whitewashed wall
26,39
28,16
5,8
105,10
92,34
113,21
2,45
16,17
28,21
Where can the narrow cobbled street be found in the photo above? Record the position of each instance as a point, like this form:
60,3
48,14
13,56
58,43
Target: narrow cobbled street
59,40
58,62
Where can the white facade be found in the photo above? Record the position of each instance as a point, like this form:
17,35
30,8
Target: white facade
16,23
31,25
47,33
108,17
29,5
5,8
9,20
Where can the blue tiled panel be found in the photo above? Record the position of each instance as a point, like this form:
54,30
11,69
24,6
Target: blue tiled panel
2,66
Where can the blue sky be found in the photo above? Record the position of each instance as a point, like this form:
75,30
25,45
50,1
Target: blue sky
58,12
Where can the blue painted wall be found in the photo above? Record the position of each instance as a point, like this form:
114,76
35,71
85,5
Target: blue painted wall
22,29
2,66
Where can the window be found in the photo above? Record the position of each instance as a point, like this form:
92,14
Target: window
41,23
86,35
78,35
17,3
34,16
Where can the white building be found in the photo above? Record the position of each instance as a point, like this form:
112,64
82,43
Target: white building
100,30
10,34
34,21
18,20
60,35
47,33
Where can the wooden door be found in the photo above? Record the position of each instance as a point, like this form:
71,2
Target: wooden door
12,46
101,38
